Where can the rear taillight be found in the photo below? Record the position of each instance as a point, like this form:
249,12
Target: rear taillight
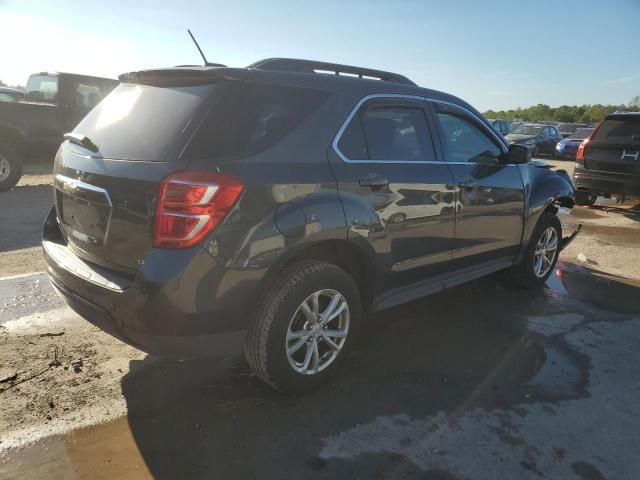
190,204
583,145
580,154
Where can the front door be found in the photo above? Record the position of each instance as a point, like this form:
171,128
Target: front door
398,198
490,193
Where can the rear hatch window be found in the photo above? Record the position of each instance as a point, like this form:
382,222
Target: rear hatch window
144,122
619,131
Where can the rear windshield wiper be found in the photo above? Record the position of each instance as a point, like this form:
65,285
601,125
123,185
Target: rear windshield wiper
81,140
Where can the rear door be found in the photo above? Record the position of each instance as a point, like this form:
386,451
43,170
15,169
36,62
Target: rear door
615,146
490,207
398,196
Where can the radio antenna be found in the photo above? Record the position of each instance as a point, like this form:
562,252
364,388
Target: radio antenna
198,47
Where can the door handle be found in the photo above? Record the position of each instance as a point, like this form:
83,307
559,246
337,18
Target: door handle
374,183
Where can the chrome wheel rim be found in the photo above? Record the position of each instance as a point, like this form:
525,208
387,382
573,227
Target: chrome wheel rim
317,332
546,251
5,169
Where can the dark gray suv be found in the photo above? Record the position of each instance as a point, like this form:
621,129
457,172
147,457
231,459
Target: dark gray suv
200,209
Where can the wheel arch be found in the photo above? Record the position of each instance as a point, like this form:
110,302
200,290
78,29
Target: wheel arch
545,191
348,255
11,138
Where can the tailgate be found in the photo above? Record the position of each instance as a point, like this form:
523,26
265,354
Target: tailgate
615,145
105,208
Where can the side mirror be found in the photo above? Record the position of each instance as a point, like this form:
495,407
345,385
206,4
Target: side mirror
518,154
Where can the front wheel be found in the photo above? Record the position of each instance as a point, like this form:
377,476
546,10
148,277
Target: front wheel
10,169
541,254
535,152
304,326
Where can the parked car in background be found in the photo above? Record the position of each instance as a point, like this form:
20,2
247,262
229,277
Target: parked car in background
275,207
568,147
540,139
11,94
32,128
501,126
608,161
567,129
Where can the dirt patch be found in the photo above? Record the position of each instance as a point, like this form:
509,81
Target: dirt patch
20,262
64,376
36,179
609,241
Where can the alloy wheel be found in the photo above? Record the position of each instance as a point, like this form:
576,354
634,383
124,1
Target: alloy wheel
5,168
546,251
317,331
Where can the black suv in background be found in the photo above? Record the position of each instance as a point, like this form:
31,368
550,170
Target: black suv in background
276,206
501,126
608,161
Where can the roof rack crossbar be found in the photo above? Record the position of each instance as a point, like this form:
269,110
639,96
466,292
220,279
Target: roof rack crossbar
311,66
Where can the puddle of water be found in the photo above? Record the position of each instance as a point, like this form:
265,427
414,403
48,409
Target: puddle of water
598,289
562,375
102,452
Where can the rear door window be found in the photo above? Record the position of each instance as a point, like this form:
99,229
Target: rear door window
251,117
619,131
388,133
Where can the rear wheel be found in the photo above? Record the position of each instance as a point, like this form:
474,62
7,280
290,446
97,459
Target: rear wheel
304,326
541,254
10,169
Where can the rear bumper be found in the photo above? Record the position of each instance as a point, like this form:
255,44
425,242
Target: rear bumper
173,306
222,345
606,182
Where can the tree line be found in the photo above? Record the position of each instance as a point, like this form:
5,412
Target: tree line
564,113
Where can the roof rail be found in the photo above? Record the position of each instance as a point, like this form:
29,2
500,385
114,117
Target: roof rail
311,66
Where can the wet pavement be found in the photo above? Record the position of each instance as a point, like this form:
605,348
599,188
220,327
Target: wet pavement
480,381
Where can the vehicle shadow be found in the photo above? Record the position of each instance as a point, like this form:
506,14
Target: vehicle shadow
451,352
465,348
23,211
632,212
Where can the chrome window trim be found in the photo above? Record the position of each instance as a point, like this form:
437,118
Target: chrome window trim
354,110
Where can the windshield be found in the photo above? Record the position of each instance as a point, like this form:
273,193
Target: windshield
42,88
581,133
527,130
141,122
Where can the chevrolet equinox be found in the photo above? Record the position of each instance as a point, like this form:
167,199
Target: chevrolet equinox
275,207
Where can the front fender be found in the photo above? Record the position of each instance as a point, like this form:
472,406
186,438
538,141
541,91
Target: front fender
543,187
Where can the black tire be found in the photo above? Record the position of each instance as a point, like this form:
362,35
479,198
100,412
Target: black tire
586,199
535,152
523,274
265,347
10,169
